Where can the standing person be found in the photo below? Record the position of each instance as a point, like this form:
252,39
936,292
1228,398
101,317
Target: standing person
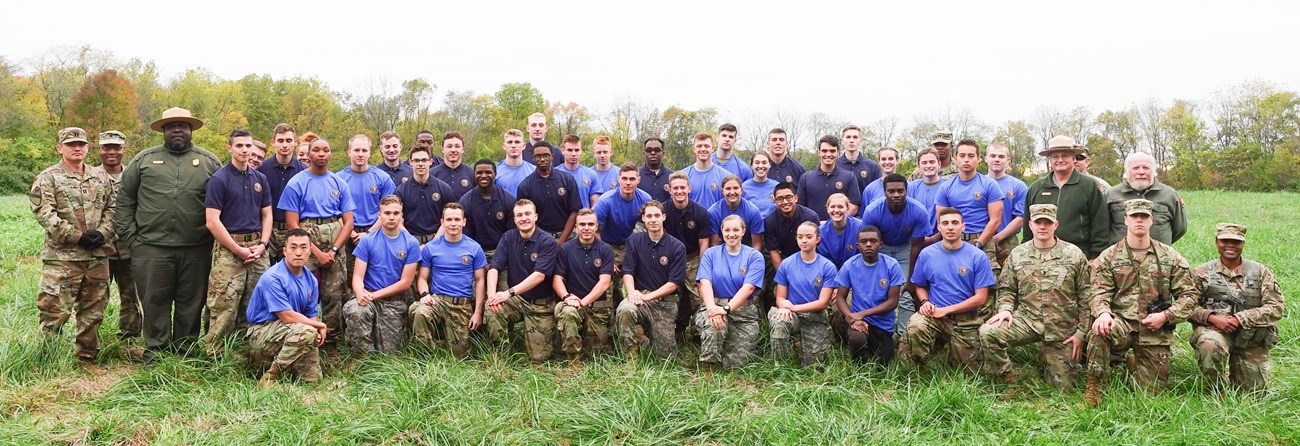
489,210
74,202
853,160
978,198
998,158
689,223
452,306
654,175
528,255
385,267
653,269
1081,162
390,149
726,158
759,188
827,179
424,138
617,212
1080,204
112,146
537,130
1042,297
606,171
555,195
366,186
706,177
729,279
278,169
1237,319
512,169
283,328
453,171
238,214
952,279
160,215
588,184
805,284
839,234
318,202
866,319
906,226
784,168
780,234
941,144
1140,182
583,275
733,204
423,197
257,155
875,190
1141,289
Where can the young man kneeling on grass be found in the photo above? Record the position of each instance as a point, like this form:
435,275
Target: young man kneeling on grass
283,327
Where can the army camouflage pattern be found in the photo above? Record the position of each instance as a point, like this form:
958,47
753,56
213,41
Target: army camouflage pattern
539,326
120,250
68,204
1246,351
229,288
68,287
813,332
289,346
945,172
658,317
1056,365
1152,360
1248,367
586,329
333,278
737,342
960,330
379,327
1124,287
443,324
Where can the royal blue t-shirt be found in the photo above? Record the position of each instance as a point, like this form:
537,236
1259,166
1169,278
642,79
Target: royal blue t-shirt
317,196
588,182
581,266
926,194
874,191
240,196
617,216
728,273
914,222
972,198
839,246
279,290
870,285
760,194
735,165
508,178
452,265
366,188
1014,205
952,276
706,186
804,281
816,186
385,257
607,180
747,211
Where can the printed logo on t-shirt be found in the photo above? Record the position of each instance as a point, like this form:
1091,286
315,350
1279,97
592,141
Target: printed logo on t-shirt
586,182
817,281
979,196
849,247
596,262
884,284
962,271
713,186
401,254
1011,194
613,184
744,269
334,192
464,260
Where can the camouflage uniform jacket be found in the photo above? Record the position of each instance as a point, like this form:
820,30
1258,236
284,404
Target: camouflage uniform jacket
1047,289
1124,287
1252,283
123,252
68,204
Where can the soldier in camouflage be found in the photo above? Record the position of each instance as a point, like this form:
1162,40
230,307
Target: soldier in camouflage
284,332
1141,289
528,255
74,202
386,264
1236,322
941,141
452,306
112,147
805,284
1041,297
654,269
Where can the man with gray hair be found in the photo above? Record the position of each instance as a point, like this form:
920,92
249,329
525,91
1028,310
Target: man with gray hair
1169,220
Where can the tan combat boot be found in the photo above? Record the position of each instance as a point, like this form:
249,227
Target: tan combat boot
632,352
268,378
1092,395
1008,378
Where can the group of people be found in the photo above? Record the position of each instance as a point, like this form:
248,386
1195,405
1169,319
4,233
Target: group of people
576,259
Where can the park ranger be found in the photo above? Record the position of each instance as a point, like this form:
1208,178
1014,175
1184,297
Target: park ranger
112,146
1241,306
74,203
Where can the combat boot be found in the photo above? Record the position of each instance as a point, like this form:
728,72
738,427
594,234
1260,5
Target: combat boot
1092,395
573,357
1008,378
632,352
268,378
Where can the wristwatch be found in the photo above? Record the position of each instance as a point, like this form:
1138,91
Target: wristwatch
512,292
726,308
977,244
334,249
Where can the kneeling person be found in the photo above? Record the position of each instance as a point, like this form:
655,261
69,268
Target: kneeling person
653,269
866,323
528,257
952,281
583,275
729,278
385,267
805,283
283,327
451,306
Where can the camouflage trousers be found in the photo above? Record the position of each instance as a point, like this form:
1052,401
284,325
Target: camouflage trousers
1001,252
812,329
1152,373
445,323
539,325
990,251
1248,368
585,329
736,343
960,330
502,283
333,279
288,346
1057,366
74,286
379,327
229,287
275,246
690,296
129,315
657,317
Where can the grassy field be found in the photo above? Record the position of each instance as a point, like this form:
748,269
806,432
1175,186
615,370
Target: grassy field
46,397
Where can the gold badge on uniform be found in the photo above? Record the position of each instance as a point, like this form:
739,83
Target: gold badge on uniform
663,260
374,189
561,191
464,260
839,185
596,262
884,284
157,161
962,271
195,162
533,257
257,187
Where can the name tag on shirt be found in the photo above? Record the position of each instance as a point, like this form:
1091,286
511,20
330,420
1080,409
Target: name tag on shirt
157,161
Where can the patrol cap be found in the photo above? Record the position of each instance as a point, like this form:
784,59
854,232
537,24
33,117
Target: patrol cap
1230,231
112,137
1060,142
941,137
1042,211
1083,150
72,134
1137,206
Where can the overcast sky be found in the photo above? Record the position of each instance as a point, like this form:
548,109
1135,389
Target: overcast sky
858,61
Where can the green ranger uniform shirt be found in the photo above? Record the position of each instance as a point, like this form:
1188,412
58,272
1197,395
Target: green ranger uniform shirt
68,204
161,198
1080,208
1047,288
1169,221
1124,286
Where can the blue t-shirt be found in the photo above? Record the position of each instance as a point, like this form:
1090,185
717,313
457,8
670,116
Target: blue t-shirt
279,290
972,198
706,186
839,246
874,191
926,194
747,212
728,273
735,165
804,281
914,222
952,276
760,194
607,180
588,182
385,257
1014,205
617,216
816,186
870,285
278,176
317,196
508,178
366,188
240,196
452,265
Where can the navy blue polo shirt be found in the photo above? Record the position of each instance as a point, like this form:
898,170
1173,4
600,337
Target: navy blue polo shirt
386,257
452,265
735,165
487,218
915,221
972,198
520,257
557,153
400,174
952,276
618,216
588,183
816,186
804,281
656,184
870,285
422,204
838,246
688,225
278,176
460,179
280,290
780,231
864,169
556,196
317,196
788,170
366,188
581,266
653,264
509,178
240,196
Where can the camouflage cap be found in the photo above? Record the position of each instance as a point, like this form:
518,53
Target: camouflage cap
112,137
72,134
1230,231
1083,150
941,137
1137,206
1042,211
1060,142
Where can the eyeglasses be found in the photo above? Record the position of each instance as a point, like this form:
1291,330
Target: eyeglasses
541,155
1080,157
783,198
653,150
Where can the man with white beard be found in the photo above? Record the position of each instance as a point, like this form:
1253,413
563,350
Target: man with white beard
1169,221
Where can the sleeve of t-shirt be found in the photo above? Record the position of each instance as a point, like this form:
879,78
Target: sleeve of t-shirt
895,274
266,192
277,296
843,275
314,286
715,218
828,275
386,186
606,260
291,198
705,271
480,258
941,197
993,191
426,255
546,258
782,272
346,203
755,221
923,225
921,273
754,270
499,256
1019,205
854,192
214,196
412,245
983,272
601,209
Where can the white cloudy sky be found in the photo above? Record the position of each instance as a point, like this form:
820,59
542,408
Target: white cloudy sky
859,61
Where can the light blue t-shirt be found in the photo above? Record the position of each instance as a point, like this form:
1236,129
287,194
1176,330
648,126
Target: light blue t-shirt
386,256
1013,206
588,182
618,217
803,280
316,196
914,222
452,265
279,290
728,273
870,285
952,276
839,246
367,188
706,186
926,194
607,180
972,198
736,166
508,178
747,212
760,194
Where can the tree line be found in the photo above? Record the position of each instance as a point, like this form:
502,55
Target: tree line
1244,137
